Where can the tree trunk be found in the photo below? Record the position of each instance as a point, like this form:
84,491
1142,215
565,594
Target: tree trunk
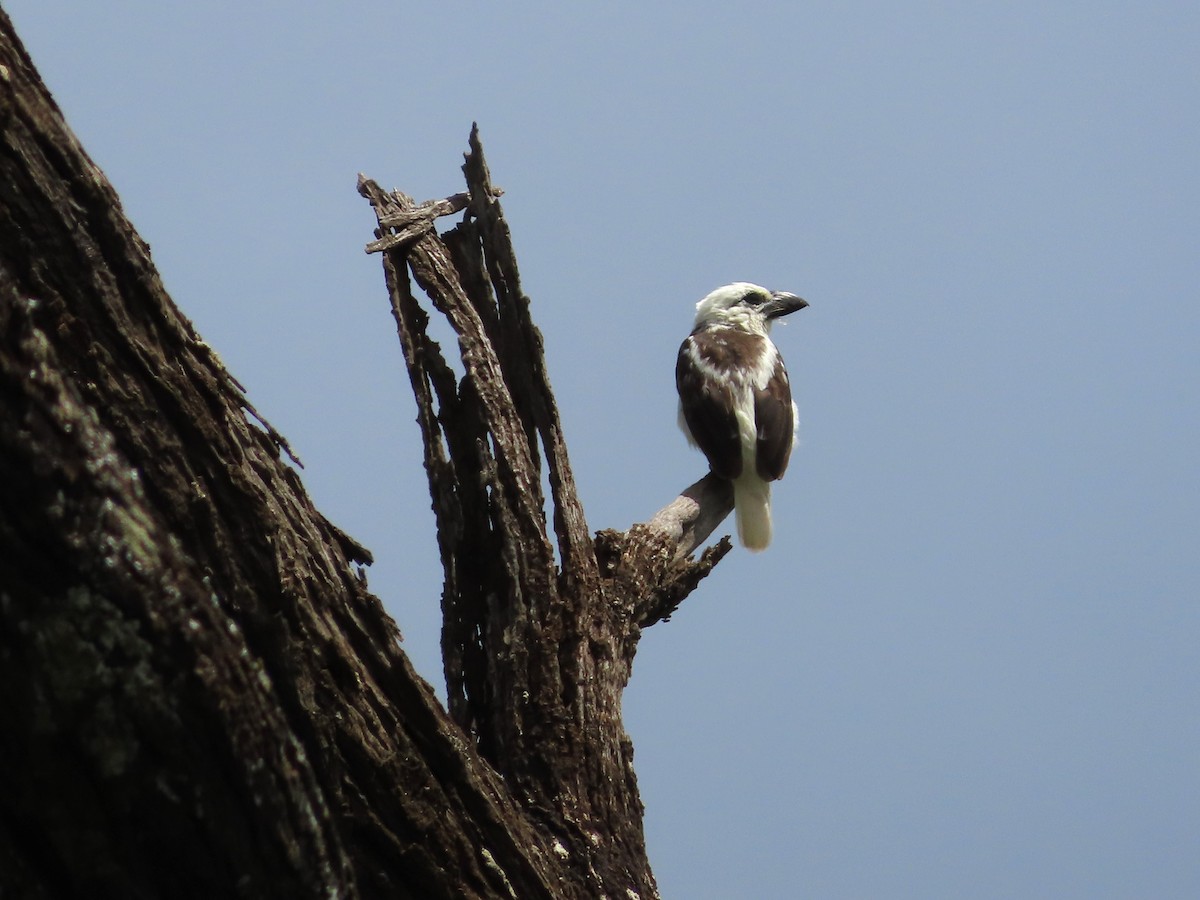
198,695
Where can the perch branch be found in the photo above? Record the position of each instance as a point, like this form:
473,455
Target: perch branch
691,517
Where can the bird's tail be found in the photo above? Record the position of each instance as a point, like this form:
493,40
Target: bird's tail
752,500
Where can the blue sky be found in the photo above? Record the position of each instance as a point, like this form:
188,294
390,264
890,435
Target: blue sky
968,665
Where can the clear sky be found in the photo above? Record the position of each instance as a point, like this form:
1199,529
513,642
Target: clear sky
968,667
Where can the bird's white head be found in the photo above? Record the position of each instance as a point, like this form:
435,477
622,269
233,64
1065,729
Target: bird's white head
746,306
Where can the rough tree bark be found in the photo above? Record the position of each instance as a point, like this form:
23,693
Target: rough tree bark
198,695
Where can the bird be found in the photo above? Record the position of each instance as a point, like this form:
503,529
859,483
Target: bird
735,400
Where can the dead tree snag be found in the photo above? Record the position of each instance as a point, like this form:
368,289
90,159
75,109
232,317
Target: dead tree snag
199,697
536,653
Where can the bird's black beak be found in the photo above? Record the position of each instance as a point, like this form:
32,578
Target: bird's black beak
782,304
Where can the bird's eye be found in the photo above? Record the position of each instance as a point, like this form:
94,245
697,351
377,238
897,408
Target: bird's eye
754,298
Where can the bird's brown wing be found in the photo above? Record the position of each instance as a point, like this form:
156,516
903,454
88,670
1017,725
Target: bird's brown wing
774,418
707,406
